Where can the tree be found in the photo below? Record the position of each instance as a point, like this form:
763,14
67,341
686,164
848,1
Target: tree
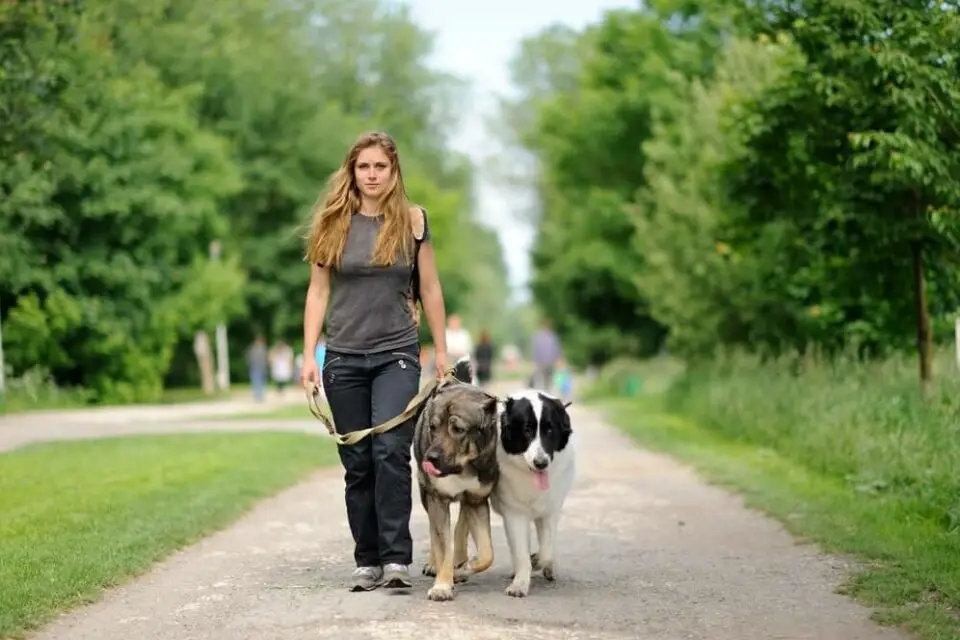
111,197
143,129
797,203
588,138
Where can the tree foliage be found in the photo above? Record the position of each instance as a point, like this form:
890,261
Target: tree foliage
781,178
136,132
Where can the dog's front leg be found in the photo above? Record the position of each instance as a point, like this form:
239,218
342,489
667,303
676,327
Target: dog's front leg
430,566
546,539
517,529
460,536
479,521
460,545
441,540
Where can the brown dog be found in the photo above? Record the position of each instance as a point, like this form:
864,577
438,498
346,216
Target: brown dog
455,446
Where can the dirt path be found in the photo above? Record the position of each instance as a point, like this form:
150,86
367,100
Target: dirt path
135,414
41,426
646,550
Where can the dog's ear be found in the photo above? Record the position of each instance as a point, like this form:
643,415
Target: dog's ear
490,395
566,428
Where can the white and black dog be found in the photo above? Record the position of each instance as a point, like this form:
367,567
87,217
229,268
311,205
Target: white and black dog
537,469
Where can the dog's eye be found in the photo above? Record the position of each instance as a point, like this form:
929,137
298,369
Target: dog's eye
456,429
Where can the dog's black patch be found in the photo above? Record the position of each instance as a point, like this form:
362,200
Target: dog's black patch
462,370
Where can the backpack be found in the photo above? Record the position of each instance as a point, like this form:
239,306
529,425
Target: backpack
415,272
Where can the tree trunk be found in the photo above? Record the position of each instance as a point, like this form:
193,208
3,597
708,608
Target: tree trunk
204,354
924,339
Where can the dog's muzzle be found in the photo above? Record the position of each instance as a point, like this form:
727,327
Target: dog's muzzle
541,462
435,466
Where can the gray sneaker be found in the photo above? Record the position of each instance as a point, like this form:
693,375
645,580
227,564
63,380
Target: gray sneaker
396,576
366,578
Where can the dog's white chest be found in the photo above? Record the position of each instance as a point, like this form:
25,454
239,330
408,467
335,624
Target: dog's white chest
453,486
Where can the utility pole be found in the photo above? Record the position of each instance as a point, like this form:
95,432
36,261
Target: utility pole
956,344
223,364
3,380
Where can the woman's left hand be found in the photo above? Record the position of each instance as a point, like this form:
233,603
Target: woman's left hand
440,363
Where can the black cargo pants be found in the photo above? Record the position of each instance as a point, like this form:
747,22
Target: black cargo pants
363,391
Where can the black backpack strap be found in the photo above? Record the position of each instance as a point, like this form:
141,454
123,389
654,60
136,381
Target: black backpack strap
415,273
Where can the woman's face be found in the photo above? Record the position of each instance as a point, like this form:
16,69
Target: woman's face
371,172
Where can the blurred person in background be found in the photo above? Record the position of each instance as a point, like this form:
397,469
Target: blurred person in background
483,356
563,380
545,352
282,363
257,364
459,342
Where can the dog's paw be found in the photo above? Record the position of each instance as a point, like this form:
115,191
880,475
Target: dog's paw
440,593
462,573
518,589
545,566
429,570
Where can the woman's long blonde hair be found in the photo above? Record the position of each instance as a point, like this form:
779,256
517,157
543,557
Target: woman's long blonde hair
333,210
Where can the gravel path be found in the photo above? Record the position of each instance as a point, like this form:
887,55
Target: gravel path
646,550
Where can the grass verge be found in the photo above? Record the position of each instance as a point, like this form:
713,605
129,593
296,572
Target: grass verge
78,517
296,411
849,458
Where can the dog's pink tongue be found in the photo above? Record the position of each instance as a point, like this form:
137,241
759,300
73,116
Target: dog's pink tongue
542,480
429,469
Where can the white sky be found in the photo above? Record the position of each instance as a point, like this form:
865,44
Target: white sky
475,40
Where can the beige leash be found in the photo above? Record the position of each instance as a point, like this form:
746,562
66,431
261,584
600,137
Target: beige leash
353,437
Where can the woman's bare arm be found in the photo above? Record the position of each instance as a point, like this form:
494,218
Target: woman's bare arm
431,295
315,308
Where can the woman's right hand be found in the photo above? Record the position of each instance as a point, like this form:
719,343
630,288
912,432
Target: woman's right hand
310,373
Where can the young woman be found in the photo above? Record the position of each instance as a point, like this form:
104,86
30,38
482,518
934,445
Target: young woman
361,249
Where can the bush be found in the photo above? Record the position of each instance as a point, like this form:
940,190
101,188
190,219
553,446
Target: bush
36,389
629,376
867,424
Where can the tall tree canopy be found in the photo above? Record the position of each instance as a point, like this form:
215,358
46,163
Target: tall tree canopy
774,177
136,132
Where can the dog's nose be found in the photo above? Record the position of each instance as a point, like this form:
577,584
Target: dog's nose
432,456
541,462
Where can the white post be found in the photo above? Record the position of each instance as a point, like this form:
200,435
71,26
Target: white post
957,339
223,365
3,380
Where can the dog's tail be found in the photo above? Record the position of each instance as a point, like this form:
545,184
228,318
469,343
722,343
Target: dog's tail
463,371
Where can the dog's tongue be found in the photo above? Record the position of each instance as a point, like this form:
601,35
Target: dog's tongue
542,480
429,469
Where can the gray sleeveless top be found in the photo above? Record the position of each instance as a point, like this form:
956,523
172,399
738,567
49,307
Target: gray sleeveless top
370,308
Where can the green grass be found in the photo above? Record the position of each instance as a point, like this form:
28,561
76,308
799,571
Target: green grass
290,412
180,395
848,456
77,517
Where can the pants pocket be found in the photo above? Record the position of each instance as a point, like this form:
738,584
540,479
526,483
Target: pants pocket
408,358
330,361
